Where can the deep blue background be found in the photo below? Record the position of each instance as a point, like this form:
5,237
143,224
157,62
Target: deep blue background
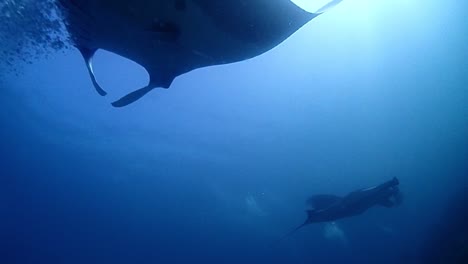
357,96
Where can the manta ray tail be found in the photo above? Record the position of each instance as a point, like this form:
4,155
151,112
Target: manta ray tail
88,57
289,233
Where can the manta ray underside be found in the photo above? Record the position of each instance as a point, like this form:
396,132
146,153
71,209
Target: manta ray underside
172,37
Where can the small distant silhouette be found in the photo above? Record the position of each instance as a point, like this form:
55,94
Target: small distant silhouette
329,208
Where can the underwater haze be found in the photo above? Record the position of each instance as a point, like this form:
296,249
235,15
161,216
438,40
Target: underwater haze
218,167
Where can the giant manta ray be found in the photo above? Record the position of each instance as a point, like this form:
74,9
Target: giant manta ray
172,37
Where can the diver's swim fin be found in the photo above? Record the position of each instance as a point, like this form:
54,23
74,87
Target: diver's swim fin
88,57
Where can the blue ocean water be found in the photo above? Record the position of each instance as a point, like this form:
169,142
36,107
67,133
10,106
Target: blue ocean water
218,167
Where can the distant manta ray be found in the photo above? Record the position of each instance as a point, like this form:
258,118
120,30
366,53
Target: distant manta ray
172,37
330,208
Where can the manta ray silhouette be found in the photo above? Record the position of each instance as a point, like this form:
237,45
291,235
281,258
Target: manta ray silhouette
172,37
330,208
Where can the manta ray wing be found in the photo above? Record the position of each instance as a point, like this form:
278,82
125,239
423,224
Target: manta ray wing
172,37
323,201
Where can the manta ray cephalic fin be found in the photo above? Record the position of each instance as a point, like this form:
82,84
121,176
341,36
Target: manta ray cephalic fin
160,79
133,96
88,57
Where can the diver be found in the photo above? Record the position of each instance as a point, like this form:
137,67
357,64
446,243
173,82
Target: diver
329,208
